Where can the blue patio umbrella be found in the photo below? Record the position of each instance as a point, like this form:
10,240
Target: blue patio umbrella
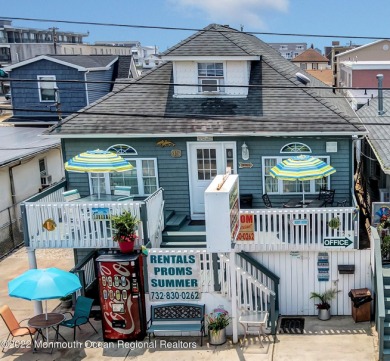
43,284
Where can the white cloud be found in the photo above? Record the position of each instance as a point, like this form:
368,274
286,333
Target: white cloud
250,13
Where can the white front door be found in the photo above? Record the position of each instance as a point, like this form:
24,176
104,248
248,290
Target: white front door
205,161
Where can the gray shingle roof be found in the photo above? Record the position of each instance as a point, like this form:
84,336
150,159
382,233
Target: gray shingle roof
151,109
378,127
18,143
86,61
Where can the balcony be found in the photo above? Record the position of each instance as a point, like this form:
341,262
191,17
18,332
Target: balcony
80,224
84,224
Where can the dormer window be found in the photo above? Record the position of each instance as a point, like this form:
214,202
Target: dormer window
210,77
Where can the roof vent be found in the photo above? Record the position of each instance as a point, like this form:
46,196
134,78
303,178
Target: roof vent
302,78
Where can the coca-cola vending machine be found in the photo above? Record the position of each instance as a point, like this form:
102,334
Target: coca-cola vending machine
122,296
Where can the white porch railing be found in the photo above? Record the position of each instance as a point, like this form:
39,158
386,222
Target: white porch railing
75,226
155,217
279,229
251,294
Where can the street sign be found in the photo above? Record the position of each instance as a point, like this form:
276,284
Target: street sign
337,242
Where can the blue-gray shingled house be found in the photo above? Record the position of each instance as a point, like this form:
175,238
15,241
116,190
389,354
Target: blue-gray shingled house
205,125
47,87
221,98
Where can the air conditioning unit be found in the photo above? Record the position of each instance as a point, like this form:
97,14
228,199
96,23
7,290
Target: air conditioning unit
209,85
46,180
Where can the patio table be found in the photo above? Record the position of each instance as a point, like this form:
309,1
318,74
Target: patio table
255,320
309,203
46,321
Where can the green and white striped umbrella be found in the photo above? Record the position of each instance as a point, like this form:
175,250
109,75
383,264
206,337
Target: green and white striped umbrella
302,168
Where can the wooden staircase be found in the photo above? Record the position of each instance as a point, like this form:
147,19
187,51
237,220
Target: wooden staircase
179,234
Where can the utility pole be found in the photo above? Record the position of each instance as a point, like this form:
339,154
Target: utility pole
54,35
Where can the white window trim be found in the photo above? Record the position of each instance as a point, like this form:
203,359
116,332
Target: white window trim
223,77
298,151
39,87
280,182
138,162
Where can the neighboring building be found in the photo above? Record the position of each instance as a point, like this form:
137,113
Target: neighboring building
289,50
18,44
331,52
62,84
28,164
358,69
220,99
325,75
310,59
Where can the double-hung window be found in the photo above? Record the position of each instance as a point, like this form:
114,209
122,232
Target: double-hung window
274,186
210,77
142,178
46,88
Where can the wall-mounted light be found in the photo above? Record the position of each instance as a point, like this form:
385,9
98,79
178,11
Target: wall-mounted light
245,152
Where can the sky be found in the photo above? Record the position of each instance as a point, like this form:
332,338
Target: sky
330,17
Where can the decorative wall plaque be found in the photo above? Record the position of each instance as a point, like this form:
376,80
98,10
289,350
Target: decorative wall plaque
245,165
165,143
175,153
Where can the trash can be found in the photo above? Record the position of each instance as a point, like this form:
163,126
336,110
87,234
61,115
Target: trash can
246,200
361,304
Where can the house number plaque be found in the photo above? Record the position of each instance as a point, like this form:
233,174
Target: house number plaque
175,153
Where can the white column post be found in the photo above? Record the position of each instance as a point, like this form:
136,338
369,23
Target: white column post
233,285
32,261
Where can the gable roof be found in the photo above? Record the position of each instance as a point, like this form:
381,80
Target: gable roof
277,103
310,55
378,127
358,48
79,62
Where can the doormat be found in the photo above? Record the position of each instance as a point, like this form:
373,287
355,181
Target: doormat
196,223
292,325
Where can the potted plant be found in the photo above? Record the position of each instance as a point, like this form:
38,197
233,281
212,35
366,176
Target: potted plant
66,301
217,321
385,247
125,226
323,306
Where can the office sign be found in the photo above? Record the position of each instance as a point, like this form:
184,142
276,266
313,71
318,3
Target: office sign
338,242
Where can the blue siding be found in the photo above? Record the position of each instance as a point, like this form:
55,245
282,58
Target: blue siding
97,90
173,172
26,94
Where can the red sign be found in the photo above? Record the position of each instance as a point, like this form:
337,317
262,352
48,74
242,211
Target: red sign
247,229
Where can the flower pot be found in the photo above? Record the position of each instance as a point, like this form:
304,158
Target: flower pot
126,247
323,314
217,337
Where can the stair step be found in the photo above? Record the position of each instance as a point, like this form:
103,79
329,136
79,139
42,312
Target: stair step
175,222
184,238
183,245
168,215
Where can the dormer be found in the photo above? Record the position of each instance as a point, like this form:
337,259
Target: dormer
211,63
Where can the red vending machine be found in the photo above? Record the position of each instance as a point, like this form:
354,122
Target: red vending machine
122,296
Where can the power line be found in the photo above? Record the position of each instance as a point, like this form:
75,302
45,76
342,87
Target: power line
135,82
192,29
249,118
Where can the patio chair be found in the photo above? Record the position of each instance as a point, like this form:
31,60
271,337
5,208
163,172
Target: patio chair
71,195
327,196
14,327
80,316
266,200
124,191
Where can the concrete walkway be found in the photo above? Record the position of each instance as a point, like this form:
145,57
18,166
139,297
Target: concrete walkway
339,338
